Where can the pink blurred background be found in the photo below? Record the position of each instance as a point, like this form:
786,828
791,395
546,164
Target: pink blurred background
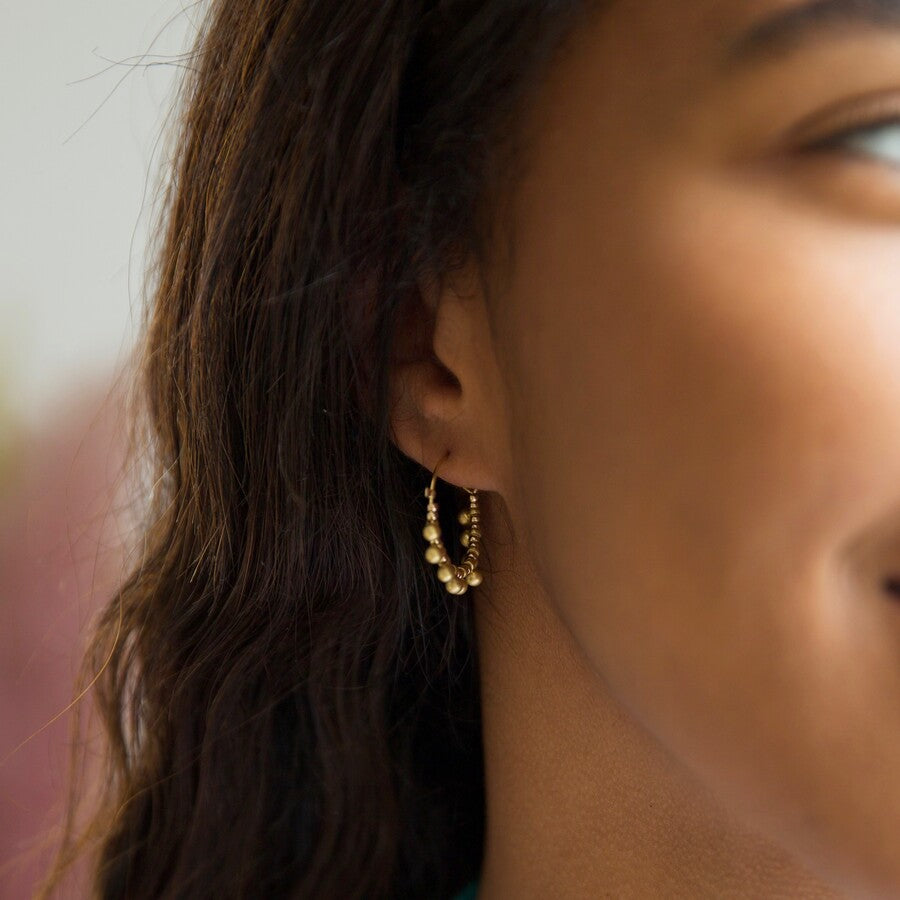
62,528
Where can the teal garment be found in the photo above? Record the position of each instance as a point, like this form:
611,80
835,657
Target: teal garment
468,892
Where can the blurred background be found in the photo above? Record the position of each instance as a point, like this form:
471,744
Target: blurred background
87,88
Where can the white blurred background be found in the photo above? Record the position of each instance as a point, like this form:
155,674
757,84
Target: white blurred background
86,89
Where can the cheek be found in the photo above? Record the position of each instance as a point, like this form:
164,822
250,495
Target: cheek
708,409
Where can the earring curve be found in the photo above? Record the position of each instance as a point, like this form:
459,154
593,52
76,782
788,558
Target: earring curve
456,579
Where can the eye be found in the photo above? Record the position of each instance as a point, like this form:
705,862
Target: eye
879,140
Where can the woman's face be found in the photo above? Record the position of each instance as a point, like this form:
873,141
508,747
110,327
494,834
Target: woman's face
700,339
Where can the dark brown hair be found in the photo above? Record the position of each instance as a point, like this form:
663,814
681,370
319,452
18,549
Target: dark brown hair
290,698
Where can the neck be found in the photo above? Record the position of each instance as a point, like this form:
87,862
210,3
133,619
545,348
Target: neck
582,800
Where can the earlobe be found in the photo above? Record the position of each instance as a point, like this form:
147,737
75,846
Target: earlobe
422,390
425,399
441,399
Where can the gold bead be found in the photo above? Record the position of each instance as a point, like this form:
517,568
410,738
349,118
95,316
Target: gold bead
455,578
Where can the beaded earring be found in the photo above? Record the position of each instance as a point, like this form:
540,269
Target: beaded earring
456,579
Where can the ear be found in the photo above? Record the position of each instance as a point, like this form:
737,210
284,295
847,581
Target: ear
447,403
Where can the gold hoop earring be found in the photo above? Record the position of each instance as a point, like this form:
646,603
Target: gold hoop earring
456,579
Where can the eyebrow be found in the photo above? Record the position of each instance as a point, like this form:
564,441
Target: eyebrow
792,28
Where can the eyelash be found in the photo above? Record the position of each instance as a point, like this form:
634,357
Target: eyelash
836,140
